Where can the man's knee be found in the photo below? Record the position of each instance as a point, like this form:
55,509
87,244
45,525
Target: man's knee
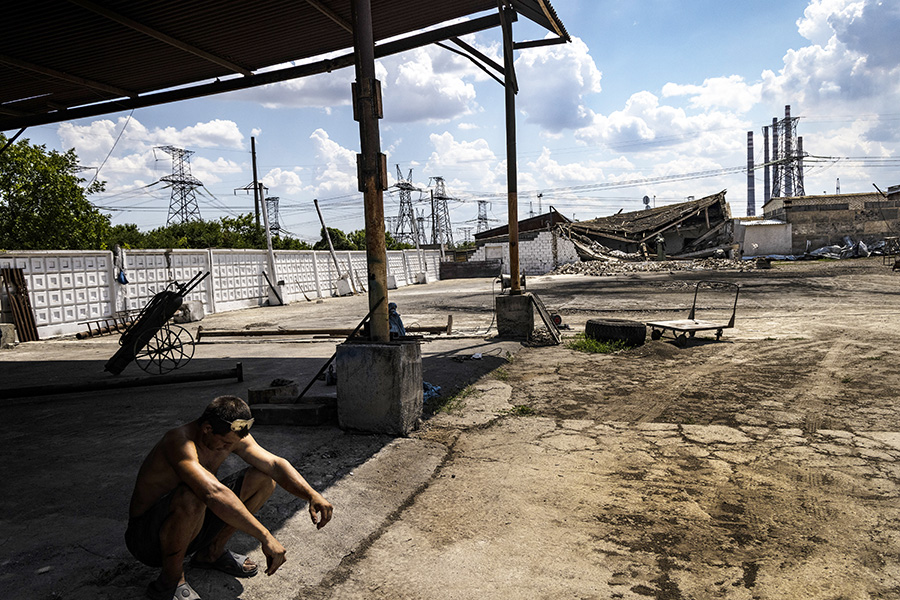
187,506
257,482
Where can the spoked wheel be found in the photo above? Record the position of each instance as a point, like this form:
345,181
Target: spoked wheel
165,350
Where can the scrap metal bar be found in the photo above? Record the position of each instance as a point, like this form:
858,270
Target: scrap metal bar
112,384
205,333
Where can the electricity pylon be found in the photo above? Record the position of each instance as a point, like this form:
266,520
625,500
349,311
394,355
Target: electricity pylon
183,203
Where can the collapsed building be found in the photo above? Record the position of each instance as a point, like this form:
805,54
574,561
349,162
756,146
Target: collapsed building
693,229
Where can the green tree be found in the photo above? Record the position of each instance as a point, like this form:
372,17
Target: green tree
338,239
43,205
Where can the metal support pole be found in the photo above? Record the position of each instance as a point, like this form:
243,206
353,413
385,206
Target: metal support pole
512,183
337,267
370,165
255,180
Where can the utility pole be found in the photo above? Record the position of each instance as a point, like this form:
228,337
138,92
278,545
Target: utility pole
255,180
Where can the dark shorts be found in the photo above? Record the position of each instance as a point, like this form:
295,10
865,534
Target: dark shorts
142,535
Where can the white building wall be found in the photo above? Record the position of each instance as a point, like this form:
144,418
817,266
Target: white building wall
537,256
68,289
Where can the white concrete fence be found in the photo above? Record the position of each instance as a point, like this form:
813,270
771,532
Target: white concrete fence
68,289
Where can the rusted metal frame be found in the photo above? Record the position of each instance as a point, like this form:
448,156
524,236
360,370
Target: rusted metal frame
473,61
507,16
160,36
257,79
372,178
538,43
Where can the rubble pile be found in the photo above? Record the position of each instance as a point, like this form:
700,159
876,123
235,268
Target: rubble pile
599,267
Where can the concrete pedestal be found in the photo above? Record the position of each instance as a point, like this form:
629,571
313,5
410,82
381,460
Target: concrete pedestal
379,386
515,316
7,335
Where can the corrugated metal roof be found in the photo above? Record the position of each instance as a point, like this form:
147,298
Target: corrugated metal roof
58,54
637,222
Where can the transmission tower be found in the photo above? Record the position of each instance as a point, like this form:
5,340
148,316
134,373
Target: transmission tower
420,227
272,212
406,228
482,223
787,159
467,234
183,203
441,228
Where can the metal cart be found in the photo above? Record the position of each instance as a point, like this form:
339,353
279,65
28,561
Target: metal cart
156,345
687,328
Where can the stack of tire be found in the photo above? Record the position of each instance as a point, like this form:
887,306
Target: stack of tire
632,333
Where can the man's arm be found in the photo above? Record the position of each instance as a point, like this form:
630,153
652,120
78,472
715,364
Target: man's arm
285,475
182,455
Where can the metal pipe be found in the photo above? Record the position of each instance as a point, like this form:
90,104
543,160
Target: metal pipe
112,384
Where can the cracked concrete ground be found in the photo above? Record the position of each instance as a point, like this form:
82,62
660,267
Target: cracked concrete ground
766,465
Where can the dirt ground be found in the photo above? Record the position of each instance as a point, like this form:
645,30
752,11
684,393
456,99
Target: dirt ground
764,465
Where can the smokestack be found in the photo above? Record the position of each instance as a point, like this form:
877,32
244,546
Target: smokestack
751,181
788,153
767,189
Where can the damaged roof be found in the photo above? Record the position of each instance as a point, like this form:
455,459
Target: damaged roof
65,59
639,225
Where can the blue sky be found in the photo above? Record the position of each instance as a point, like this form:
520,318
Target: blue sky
647,89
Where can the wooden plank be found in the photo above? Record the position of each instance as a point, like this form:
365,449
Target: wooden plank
23,316
545,316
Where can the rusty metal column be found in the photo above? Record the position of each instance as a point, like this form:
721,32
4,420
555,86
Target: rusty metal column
371,164
507,16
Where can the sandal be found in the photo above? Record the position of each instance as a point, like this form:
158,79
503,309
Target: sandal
230,563
183,591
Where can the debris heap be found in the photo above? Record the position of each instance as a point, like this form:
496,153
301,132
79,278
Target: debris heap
600,267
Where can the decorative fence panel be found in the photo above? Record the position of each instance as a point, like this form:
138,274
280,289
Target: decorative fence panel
68,289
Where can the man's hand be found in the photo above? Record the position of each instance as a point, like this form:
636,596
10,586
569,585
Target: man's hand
320,510
274,552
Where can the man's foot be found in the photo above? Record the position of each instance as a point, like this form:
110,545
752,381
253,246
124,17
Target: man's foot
182,591
230,563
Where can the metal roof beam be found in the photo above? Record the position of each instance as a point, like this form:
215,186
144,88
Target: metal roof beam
323,8
81,81
158,35
240,83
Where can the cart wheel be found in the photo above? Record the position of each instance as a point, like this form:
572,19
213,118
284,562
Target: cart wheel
655,334
165,350
681,341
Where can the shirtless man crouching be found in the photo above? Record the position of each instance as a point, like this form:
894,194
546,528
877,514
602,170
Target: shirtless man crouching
180,508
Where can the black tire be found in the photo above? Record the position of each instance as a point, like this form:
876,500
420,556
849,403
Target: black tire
632,333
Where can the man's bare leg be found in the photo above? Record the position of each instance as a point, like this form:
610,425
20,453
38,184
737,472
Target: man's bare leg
186,512
256,488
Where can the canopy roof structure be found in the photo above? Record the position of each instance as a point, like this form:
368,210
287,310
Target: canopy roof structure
66,59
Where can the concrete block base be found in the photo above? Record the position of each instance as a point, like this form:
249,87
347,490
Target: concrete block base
279,394
190,312
379,386
515,316
7,335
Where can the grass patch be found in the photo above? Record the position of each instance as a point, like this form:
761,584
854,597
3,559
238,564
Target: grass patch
874,357
582,343
521,410
846,379
454,403
501,374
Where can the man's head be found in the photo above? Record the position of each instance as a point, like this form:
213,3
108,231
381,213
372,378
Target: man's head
226,414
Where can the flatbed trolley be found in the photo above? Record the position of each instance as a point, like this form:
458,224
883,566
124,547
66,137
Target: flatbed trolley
687,328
